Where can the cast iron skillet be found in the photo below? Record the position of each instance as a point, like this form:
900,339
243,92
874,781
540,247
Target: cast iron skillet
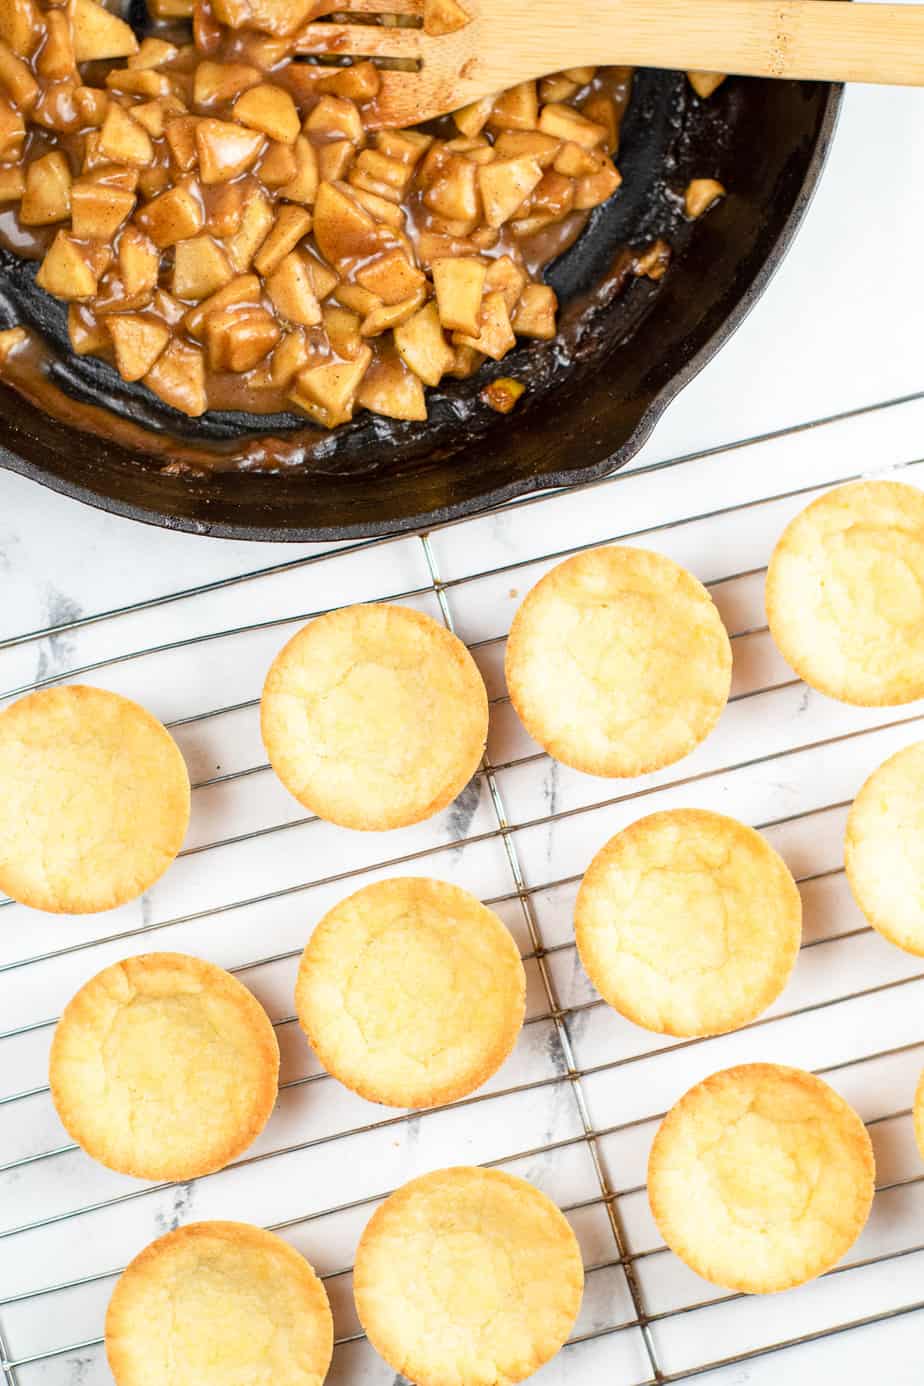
594,396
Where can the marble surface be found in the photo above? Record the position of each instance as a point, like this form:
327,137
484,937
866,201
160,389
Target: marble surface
197,622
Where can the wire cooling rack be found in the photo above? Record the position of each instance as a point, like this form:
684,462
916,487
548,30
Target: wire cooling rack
576,1106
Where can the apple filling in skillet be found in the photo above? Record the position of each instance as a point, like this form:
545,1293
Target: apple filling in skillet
229,227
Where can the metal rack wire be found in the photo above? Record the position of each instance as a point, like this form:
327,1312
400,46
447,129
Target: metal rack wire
853,1018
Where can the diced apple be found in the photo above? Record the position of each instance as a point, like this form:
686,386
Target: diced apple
88,336
56,61
516,108
387,213
225,149
601,109
597,187
471,120
224,206
12,131
176,215
303,185
171,9
216,83
564,123
384,170
390,315
47,197
200,268
475,148
459,284
358,82
505,276
139,262
20,26
453,193
154,52
336,117
502,395
97,210
495,336
256,220
705,83
389,388
16,79
154,180
145,82
334,160
290,356
505,186
178,378
138,340
423,347
331,387
534,315
407,146
64,272
392,277
444,17
292,223
553,196
277,17
180,133
557,88
701,194
92,105
123,141
357,299
244,289
239,338
270,110
150,114
11,339
12,184
467,362
98,33
277,166
290,289
343,229
575,162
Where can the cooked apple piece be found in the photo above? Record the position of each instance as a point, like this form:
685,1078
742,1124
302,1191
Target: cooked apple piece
98,256
434,161
240,337
471,120
278,165
331,387
138,340
323,279
270,110
12,184
358,82
516,108
145,82
564,123
495,336
502,395
123,141
475,148
506,184
334,160
92,104
216,83
342,328
303,185
97,210
98,33
385,212
112,297
154,180
176,215
16,78
256,220
534,315
171,9
88,336
277,17
392,277
601,109
64,272
243,289
459,284
467,361
553,196
55,108
336,117
178,378
290,225
384,172
557,88
139,262
701,194
705,83
290,289
357,299
290,356
21,26
343,230
200,268
180,134
436,245
167,307
390,315
55,61
444,17
12,131
389,388
575,162
423,347
150,114
114,176
11,338
407,146
153,52
225,150
47,197
224,206
505,276
453,193
595,188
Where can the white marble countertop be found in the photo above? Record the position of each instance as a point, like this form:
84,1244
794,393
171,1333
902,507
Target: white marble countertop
836,339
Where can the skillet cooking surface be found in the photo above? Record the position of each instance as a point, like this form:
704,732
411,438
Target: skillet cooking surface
593,394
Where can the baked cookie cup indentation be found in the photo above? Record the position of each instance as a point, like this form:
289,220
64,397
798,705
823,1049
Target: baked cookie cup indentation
618,662
374,717
219,1304
164,1067
467,1275
761,1178
94,800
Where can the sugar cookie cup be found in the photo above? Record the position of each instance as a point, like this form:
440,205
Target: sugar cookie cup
164,1067
217,1304
374,717
411,992
884,849
467,1275
845,593
617,662
94,800
688,923
761,1178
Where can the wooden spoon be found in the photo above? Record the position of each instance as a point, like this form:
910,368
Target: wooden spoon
499,43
